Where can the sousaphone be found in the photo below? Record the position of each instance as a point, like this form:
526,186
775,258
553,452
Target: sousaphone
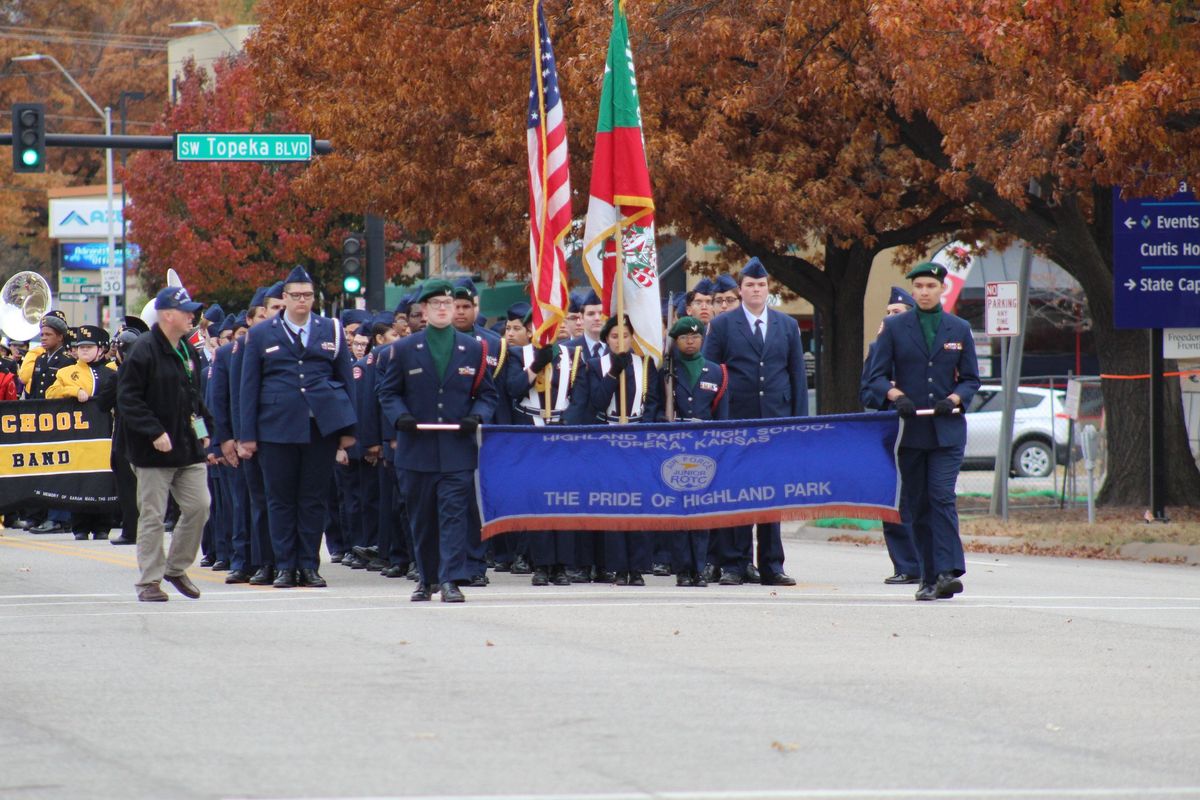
149,315
24,300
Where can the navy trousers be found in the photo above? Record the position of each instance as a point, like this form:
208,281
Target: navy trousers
395,535
262,554
367,480
239,518
626,551
928,478
551,548
689,550
901,546
438,509
298,481
735,548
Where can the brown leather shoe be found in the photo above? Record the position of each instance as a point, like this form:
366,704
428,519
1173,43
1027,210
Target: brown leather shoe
152,594
184,584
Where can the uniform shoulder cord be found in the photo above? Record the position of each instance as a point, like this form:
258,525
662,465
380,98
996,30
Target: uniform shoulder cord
575,364
500,359
645,377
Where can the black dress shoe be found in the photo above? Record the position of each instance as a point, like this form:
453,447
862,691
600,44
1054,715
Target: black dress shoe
604,576
122,539
81,536
948,585
540,577
286,579
502,566
636,579
558,577
698,579
731,577
265,576
752,574
49,526
452,594
927,592
661,570
376,565
710,573
684,578
335,558
779,579
353,561
413,573
99,535
207,561
579,576
521,566
221,566
366,553
22,524
622,579
237,576
421,594
902,577
477,581
312,578
394,571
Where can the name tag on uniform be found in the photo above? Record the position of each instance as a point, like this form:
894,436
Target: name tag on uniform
492,361
469,371
416,371
328,346
952,346
712,387
271,349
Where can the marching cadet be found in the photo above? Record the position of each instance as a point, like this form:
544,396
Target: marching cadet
901,547
698,303
592,319
926,359
395,532
438,375
725,295
106,397
40,366
699,389
627,554
361,534
297,369
534,376
220,404
761,349
82,381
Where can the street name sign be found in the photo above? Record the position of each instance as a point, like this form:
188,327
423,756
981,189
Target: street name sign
1002,308
74,297
243,147
1156,261
1181,343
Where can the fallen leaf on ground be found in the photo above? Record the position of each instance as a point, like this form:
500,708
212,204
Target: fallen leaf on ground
785,747
488,643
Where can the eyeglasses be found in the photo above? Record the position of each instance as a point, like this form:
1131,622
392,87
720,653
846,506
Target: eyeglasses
300,295
724,301
439,303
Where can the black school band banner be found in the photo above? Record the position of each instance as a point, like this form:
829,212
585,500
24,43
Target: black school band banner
55,454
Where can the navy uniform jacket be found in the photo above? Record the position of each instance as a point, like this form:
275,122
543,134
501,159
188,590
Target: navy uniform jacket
382,430
517,385
598,388
409,384
497,358
764,381
283,385
708,399
900,355
218,394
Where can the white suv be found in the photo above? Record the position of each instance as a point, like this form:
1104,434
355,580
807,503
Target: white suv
1039,430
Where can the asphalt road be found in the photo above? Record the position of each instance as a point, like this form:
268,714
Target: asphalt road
1047,679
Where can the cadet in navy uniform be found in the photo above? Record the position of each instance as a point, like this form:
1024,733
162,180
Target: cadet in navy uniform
898,536
297,409
552,553
929,355
438,375
626,553
395,533
761,349
220,404
700,391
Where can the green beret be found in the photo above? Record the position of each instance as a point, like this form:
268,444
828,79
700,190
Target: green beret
686,325
928,269
436,288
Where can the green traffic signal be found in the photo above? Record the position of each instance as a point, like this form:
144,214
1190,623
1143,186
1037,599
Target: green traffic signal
351,284
29,158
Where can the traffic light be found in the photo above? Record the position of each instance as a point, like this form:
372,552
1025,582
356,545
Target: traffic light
29,137
352,264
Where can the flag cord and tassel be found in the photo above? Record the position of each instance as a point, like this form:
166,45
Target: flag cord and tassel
619,279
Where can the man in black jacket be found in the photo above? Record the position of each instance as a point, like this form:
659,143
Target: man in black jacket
166,429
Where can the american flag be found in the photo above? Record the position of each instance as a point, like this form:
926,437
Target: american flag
549,189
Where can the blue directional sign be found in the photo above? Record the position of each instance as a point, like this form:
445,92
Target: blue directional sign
1156,261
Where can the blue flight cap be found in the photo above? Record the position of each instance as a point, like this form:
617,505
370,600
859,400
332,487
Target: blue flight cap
260,297
240,320
275,291
724,283
900,296
681,305
464,289
591,299
214,313
175,297
519,310
704,286
754,269
227,325
344,316
298,275
383,318
575,302
404,305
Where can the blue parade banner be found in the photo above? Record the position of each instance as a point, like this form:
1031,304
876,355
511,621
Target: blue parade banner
688,476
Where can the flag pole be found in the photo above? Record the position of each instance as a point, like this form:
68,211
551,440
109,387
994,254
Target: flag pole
619,278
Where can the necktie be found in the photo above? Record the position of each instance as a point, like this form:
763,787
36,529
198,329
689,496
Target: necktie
758,331
596,350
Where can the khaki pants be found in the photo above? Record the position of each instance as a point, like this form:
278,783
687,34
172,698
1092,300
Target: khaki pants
189,485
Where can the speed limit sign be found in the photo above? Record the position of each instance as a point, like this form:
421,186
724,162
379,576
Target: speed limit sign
112,281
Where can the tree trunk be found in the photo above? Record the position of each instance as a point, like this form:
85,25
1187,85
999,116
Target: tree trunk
841,329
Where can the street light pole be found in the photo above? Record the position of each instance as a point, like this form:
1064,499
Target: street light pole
121,103
106,115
